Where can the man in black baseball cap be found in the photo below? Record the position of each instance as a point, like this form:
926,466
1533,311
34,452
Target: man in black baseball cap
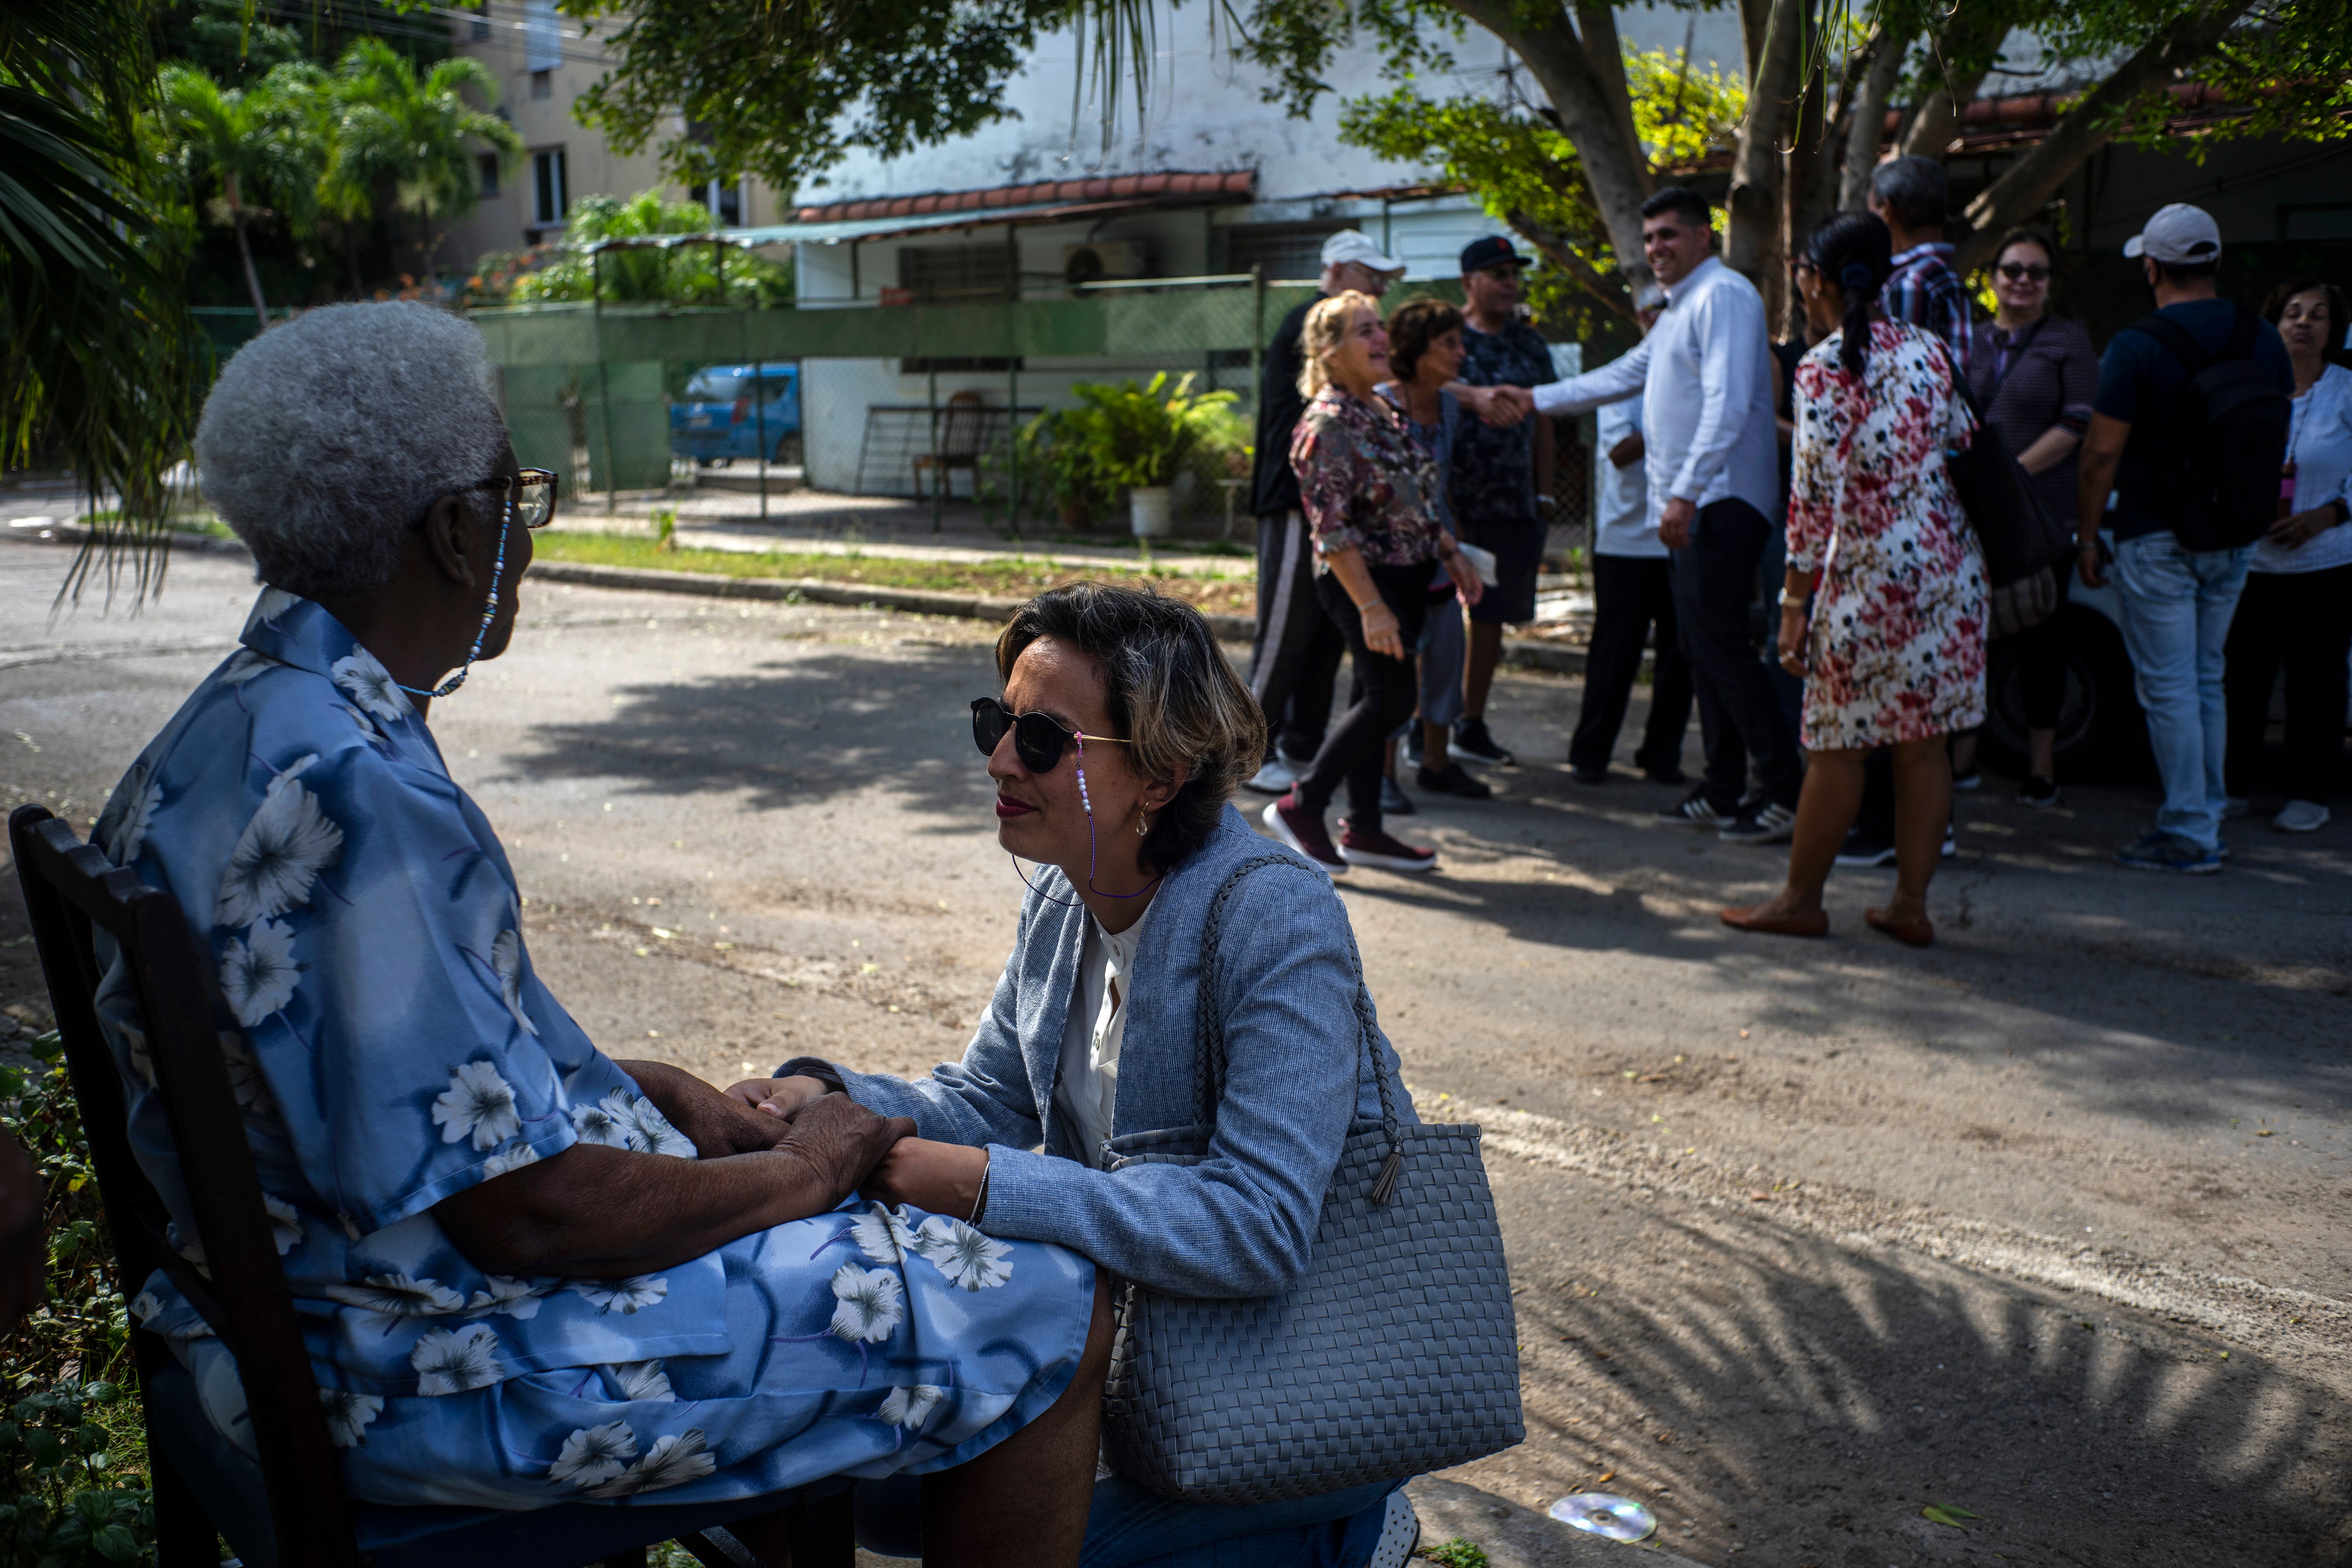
1501,476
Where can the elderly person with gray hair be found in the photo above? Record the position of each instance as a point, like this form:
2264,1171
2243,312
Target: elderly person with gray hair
528,1273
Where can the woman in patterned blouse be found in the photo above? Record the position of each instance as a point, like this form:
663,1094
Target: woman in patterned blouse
1370,492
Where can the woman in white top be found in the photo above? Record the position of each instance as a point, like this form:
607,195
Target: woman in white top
2296,610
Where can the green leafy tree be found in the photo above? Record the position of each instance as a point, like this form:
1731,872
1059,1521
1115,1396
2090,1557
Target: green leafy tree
97,351
255,150
418,133
686,273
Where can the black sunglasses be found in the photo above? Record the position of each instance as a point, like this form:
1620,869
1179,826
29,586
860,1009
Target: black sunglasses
2013,270
1037,741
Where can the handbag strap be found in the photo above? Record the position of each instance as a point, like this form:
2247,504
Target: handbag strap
1209,1030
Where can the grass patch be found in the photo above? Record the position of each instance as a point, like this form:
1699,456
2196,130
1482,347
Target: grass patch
1013,577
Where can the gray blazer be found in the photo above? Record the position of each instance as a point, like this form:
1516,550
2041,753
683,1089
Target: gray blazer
1241,1223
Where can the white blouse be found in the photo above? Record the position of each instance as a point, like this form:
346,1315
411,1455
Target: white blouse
2319,443
1087,1089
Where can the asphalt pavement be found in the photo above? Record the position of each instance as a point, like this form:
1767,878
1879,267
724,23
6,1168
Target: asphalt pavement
2046,1223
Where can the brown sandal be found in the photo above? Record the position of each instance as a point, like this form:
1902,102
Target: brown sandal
1910,933
1814,924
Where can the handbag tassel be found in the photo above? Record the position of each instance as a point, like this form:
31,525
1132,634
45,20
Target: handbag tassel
1385,1189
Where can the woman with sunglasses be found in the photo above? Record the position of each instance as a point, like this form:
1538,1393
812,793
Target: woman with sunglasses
1116,749
2033,375
531,1274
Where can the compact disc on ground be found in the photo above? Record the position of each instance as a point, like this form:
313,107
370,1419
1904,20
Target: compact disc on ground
1605,1513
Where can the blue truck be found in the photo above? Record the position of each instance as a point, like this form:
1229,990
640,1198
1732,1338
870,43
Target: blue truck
729,409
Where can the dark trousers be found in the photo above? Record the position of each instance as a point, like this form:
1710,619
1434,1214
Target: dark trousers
2302,620
1382,696
1739,714
2041,651
1294,660
1630,594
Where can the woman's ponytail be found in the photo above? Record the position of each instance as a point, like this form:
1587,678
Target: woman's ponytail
1856,250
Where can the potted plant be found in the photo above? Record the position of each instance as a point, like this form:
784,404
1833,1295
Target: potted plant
1058,457
1138,437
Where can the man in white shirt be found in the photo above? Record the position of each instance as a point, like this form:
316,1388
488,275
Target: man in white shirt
1712,469
1632,592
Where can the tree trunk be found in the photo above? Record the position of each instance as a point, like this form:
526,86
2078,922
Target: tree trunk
1753,208
1865,129
245,252
1556,250
352,256
1937,118
2026,187
1614,168
1597,24
1806,186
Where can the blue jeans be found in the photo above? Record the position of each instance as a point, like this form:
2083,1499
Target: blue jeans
2177,606
1130,1526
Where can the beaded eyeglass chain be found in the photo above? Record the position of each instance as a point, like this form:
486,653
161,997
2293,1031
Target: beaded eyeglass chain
489,610
1087,800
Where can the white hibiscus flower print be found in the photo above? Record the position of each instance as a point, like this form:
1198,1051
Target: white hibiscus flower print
910,1407
349,1414
273,603
280,853
477,1104
245,1080
517,1299
965,1256
598,1124
595,1454
398,1295
452,1362
259,973
285,1223
129,813
672,1461
625,1297
371,685
649,1131
506,958
643,1380
243,666
871,1302
883,1235
145,1305
513,1157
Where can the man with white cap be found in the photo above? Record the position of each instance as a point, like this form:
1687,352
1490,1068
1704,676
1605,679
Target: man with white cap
1296,656
2178,433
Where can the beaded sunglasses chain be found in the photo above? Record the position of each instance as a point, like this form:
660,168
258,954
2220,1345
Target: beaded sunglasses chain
1079,738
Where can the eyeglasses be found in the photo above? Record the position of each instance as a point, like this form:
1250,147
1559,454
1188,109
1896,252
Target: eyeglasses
2016,270
1037,741
531,492
1802,264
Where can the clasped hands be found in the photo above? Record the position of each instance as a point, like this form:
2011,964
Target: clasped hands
943,1178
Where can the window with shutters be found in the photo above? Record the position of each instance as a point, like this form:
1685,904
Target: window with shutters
550,198
957,271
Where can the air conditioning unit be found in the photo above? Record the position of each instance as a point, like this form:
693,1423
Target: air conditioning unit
1102,259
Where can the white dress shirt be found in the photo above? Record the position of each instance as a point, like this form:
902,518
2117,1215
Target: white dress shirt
1089,1089
1707,394
1623,525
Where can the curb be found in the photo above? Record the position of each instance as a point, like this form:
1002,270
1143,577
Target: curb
821,591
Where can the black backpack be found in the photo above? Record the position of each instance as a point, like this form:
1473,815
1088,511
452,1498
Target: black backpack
2231,440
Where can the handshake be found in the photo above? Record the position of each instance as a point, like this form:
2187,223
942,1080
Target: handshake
1501,407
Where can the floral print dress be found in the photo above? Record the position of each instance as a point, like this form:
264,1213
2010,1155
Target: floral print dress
1897,639
390,1045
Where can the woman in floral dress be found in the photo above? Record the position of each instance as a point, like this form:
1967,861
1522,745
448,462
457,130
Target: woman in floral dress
1892,653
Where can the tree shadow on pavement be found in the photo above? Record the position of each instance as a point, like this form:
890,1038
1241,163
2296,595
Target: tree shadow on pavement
791,731
1804,1400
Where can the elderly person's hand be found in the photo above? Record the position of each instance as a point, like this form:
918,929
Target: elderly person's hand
1466,581
1500,407
2295,532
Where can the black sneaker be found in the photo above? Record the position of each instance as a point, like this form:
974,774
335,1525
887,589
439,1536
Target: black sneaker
2037,791
1695,811
1394,801
1770,823
1668,774
1455,780
1472,740
1863,849
1587,775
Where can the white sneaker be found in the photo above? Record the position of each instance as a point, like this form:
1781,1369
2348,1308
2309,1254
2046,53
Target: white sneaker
1400,1533
2300,816
1275,778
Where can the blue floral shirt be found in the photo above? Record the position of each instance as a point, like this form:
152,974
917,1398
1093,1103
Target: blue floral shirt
389,1043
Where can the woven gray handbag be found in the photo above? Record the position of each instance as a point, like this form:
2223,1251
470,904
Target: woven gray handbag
1397,1354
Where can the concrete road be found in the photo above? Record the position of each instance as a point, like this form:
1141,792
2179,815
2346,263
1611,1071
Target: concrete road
2047,1223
